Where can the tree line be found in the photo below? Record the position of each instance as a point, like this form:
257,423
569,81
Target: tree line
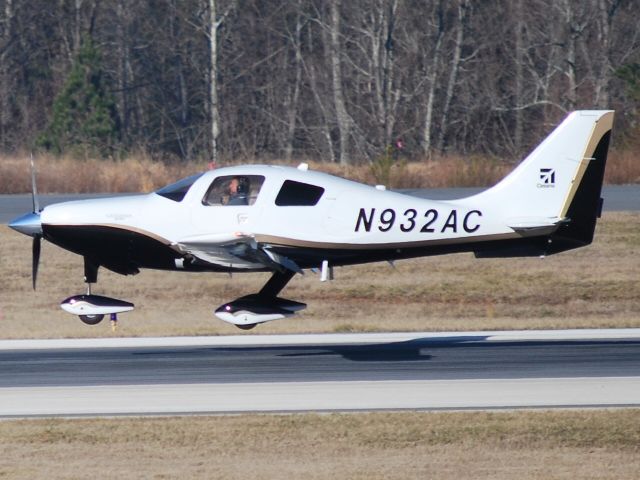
335,80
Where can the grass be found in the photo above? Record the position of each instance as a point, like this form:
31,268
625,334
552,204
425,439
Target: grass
500,445
69,175
140,173
593,287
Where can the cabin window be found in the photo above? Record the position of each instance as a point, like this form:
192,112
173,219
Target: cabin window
177,191
234,190
298,194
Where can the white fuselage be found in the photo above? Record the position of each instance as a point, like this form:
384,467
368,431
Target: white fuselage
348,215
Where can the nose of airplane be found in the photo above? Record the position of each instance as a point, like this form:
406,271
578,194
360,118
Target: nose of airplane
29,224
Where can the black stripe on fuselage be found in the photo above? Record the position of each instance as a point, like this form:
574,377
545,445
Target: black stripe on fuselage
118,249
126,252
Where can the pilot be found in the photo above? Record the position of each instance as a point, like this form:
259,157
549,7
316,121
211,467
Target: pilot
237,191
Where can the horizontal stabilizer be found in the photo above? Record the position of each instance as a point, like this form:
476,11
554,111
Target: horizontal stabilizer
535,225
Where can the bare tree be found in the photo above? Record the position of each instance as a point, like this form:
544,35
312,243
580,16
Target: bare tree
461,20
6,25
519,73
436,24
378,30
334,81
214,24
291,102
342,116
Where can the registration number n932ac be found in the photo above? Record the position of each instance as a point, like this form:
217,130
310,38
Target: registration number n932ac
430,221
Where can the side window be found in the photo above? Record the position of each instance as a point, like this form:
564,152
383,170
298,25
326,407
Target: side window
234,190
298,194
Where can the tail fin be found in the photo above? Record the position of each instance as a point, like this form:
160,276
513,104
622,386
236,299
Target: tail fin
557,187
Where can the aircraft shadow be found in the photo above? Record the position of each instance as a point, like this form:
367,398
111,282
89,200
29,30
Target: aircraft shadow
415,350
408,351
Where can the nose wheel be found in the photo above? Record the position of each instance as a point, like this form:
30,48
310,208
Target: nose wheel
91,319
90,308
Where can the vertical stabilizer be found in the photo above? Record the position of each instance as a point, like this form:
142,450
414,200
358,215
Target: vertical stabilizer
560,182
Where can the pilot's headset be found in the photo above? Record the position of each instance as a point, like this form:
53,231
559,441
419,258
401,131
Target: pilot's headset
243,186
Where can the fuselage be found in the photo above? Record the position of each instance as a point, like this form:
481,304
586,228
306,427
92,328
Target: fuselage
305,215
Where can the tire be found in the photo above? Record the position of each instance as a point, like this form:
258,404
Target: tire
91,319
247,327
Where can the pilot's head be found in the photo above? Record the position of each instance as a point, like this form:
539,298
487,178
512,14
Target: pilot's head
234,184
238,185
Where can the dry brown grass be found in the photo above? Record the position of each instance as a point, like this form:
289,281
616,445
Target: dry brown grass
139,173
594,287
440,172
505,445
623,167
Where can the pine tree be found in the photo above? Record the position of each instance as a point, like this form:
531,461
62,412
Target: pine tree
84,120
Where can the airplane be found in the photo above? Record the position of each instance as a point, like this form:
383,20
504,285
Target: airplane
285,220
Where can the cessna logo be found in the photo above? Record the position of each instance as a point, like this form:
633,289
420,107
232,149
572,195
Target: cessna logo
547,178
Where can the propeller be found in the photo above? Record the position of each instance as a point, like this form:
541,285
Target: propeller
37,240
31,224
37,237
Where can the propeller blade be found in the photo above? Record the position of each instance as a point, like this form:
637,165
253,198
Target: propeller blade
35,259
34,189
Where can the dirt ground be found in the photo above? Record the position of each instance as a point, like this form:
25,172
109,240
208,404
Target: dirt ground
470,445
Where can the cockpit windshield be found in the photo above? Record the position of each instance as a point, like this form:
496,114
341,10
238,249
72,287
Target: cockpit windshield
177,191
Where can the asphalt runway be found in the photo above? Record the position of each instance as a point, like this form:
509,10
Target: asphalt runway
617,198
368,372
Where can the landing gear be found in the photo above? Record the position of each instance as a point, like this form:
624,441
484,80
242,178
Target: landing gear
246,312
90,308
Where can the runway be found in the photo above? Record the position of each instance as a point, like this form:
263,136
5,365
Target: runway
469,370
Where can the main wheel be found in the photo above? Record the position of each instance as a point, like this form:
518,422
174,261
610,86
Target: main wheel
91,319
247,327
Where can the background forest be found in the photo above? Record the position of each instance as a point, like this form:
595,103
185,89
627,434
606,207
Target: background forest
331,81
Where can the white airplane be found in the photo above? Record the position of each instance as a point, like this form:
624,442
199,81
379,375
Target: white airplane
286,220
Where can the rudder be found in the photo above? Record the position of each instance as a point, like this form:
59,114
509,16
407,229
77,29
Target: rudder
584,207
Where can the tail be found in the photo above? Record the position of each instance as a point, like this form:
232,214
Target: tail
556,190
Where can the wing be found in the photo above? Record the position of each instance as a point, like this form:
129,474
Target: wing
237,251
